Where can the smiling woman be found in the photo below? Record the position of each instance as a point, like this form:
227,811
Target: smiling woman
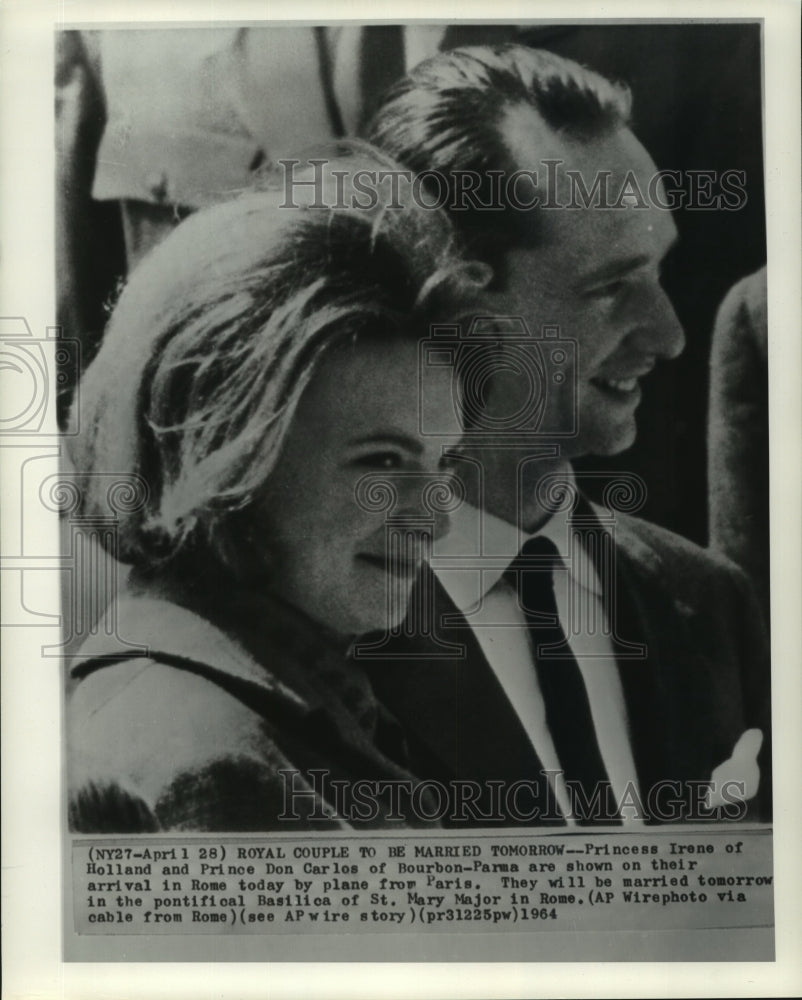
357,422
259,369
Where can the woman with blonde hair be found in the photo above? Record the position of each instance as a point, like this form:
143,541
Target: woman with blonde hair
260,373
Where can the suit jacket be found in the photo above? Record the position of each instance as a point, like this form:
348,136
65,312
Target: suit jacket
194,734
702,681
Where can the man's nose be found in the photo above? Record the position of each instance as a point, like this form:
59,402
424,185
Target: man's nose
659,331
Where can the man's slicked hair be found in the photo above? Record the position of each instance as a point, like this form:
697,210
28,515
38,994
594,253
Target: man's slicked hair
447,115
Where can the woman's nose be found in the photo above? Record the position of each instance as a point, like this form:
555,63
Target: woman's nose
426,502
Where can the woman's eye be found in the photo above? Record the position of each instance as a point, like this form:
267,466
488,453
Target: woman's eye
385,460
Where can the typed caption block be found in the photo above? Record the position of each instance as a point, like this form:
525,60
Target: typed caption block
658,879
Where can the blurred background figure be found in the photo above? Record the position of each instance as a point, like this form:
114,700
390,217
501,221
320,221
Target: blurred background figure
153,124
738,455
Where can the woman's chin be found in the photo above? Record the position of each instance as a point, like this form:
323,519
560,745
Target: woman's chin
386,616
361,605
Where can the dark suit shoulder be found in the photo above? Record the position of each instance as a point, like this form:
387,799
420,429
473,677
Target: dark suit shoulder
652,545
706,585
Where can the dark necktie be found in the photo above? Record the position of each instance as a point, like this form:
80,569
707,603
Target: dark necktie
568,712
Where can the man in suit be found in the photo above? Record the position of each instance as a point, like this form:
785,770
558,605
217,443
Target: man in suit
565,662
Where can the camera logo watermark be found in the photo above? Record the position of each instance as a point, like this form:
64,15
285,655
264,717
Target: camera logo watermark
535,368
35,370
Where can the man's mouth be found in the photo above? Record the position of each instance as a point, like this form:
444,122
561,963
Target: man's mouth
617,384
621,387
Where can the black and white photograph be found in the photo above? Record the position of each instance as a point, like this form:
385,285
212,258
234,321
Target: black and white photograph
403,430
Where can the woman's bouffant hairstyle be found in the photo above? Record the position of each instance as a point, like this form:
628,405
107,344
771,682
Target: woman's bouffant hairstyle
219,329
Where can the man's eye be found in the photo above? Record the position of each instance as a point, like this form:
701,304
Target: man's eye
385,460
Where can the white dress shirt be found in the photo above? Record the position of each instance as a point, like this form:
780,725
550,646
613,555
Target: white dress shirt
470,562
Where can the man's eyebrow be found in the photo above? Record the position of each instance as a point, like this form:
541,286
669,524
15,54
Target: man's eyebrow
624,265
614,269
390,437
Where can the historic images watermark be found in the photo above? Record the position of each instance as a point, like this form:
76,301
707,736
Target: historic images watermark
550,186
522,801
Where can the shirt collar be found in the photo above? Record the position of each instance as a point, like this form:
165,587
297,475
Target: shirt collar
471,559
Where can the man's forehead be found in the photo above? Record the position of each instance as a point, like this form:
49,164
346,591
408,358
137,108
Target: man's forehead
531,141
528,137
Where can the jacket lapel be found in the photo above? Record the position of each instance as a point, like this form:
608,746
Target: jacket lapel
644,695
665,691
